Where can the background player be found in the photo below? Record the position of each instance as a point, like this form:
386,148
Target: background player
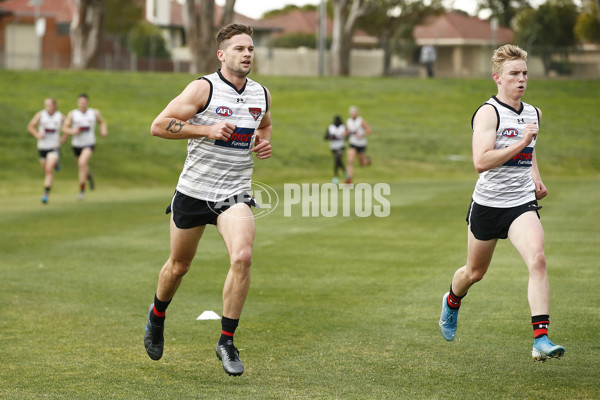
505,131
358,130
81,124
336,134
45,127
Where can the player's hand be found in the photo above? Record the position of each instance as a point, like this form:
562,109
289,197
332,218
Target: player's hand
221,131
262,147
540,190
531,132
40,135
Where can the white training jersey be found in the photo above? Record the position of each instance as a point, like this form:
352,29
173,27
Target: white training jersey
49,125
356,132
510,184
216,170
85,123
337,136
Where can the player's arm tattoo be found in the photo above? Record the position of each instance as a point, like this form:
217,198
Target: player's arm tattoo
175,126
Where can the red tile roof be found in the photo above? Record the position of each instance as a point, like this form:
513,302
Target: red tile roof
460,27
61,10
299,21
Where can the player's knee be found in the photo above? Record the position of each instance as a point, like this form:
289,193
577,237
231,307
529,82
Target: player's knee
242,258
476,276
538,261
179,267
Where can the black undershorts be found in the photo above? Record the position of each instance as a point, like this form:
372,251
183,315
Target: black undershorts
487,223
189,212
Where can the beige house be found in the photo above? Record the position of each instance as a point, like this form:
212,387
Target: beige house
168,15
35,34
366,59
463,44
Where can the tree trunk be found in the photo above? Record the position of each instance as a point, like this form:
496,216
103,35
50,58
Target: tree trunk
343,30
228,13
86,33
339,20
200,29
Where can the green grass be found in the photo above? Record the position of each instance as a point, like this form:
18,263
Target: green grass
418,125
339,308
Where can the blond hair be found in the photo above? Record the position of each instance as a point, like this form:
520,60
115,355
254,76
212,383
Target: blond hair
508,52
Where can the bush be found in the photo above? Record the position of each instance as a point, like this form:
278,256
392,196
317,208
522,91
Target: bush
145,40
294,40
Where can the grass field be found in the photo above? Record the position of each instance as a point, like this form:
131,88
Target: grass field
339,308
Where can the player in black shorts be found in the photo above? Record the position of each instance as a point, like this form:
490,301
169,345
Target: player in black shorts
505,199
45,127
223,127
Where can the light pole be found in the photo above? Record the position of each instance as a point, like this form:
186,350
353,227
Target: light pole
322,35
40,29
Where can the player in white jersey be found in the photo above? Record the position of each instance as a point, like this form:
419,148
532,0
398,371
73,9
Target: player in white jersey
358,130
336,134
225,117
504,205
45,127
81,125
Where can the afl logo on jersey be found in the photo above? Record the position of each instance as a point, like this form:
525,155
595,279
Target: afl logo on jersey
224,111
510,132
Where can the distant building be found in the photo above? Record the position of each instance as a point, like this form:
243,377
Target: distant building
21,47
307,22
463,44
168,15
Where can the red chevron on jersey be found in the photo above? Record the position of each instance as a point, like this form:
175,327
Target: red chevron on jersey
255,112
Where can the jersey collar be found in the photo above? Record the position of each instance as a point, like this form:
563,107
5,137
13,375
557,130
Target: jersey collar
231,84
509,107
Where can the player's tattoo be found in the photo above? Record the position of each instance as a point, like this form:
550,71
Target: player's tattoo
175,127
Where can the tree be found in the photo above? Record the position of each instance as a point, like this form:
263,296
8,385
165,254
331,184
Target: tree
504,10
86,32
199,16
396,19
287,9
145,40
587,27
345,15
549,30
122,16
125,22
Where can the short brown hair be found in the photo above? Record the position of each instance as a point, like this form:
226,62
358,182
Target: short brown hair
230,31
508,52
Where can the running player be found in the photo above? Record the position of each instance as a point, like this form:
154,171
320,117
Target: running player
336,133
505,200
45,127
81,124
225,116
358,130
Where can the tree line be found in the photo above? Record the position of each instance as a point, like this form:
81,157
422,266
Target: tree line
553,27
